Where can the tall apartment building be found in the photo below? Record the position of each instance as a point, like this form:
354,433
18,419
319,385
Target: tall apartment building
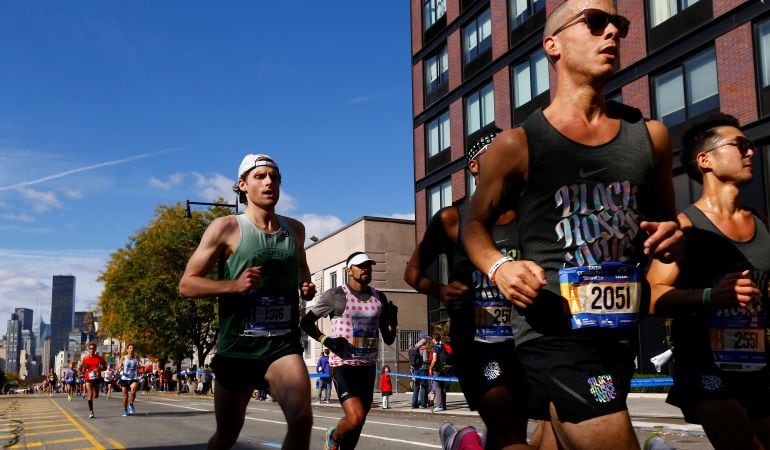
479,64
13,344
62,313
25,317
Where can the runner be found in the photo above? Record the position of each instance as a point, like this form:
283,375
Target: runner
91,367
480,330
129,379
265,275
51,381
69,379
359,313
591,184
109,379
718,294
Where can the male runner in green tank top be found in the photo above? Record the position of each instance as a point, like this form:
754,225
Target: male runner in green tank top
265,275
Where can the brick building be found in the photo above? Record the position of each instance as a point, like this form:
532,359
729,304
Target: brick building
478,64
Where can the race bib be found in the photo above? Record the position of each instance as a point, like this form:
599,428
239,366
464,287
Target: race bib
93,374
268,316
738,343
603,296
364,343
493,320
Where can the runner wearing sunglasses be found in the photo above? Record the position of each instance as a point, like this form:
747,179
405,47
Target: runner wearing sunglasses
718,294
591,183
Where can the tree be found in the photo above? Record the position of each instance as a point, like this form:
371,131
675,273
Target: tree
140,303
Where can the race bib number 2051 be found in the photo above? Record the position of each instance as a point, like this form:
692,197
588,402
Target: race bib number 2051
603,296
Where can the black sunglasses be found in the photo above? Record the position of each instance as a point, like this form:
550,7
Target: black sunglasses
741,143
597,20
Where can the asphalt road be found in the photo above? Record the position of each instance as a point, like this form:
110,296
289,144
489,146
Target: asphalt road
168,421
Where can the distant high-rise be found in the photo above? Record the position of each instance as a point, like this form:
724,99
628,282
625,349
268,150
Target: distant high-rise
42,332
62,312
25,317
14,344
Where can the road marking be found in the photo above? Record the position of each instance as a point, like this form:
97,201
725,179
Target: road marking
79,427
56,441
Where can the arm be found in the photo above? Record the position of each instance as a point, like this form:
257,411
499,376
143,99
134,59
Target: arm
432,361
322,308
388,320
306,287
733,290
442,230
215,244
665,238
503,175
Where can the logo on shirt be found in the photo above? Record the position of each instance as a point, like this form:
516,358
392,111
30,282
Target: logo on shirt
583,174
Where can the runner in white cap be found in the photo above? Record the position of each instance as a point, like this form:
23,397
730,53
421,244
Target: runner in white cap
265,275
358,313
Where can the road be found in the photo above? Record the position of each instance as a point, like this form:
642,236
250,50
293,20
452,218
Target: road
168,421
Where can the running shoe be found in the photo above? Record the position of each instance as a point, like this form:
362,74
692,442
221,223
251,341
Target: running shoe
91,416
655,442
439,409
125,413
69,397
446,433
329,443
131,409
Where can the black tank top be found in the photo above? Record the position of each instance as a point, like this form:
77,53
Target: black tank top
582,206
484,312
710,256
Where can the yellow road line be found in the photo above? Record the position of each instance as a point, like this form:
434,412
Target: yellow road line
79,427
57,441
68,430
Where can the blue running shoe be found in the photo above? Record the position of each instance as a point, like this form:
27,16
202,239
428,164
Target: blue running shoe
125,413
131,409
329,443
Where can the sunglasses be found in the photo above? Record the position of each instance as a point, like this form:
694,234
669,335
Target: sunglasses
741,143
597,20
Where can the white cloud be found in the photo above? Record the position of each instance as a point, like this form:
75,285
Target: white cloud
72,193
213,188
286,204
359,99
41,200
26,277
172,181
26,218
404,216
318,225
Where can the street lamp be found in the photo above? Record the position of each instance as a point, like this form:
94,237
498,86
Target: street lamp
188,212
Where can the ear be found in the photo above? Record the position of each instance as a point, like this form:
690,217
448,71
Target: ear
242,184
551,47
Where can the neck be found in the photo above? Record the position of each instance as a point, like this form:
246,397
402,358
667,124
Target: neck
578,101
356,286
264,219
720,199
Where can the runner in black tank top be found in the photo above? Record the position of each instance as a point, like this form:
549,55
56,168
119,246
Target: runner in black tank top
481,320
718,294
592,187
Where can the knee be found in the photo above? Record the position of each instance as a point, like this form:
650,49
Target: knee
357,418
302,419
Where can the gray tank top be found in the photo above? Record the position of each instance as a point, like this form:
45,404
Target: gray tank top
582,207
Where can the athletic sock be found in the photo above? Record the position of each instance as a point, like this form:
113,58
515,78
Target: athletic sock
90,405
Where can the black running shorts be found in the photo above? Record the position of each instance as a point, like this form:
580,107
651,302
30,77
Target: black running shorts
354,381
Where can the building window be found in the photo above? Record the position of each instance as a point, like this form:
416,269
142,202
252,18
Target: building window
437,142
763,47
530,78
470,183
437,70
333,280
662,10
432,11
523,10
477,36
689,90
479,109
439,196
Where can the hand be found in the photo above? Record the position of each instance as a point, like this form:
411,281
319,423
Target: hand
392,314
337,345
450,294
248,280
734,290
307,290
520,282
665,241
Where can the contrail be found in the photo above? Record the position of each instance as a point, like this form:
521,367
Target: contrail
86,168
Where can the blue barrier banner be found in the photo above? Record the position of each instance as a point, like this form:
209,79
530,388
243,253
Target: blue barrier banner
635,383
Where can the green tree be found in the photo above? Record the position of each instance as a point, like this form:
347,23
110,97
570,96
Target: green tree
140,303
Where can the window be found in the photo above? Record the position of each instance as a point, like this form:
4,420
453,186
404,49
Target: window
470,183
688,90
438,135
477,36
439,196
662,10
763,63
333,280
437,70
479,109
432,10
530,78
523,10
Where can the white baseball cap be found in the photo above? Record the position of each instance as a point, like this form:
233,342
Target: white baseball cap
359,259
252,160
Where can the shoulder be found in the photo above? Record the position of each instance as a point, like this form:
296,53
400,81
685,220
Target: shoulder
295,225
508,152
661,140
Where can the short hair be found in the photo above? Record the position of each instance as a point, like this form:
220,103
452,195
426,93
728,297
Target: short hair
556,18
242,195
437,336
695,139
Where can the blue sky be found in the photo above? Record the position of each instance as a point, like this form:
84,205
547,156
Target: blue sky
108,109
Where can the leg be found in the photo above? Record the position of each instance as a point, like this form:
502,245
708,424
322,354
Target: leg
505,420
726,424
349,427
761,429
543,437
415,392
611,432
230,412
288,380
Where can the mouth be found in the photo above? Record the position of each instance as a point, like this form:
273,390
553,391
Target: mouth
609,51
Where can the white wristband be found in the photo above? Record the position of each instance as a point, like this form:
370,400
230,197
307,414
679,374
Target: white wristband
495,266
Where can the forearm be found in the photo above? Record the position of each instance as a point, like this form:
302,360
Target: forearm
193,286
669,301
419,280
479,245
308,325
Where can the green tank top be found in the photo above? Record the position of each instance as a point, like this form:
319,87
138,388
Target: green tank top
265,322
